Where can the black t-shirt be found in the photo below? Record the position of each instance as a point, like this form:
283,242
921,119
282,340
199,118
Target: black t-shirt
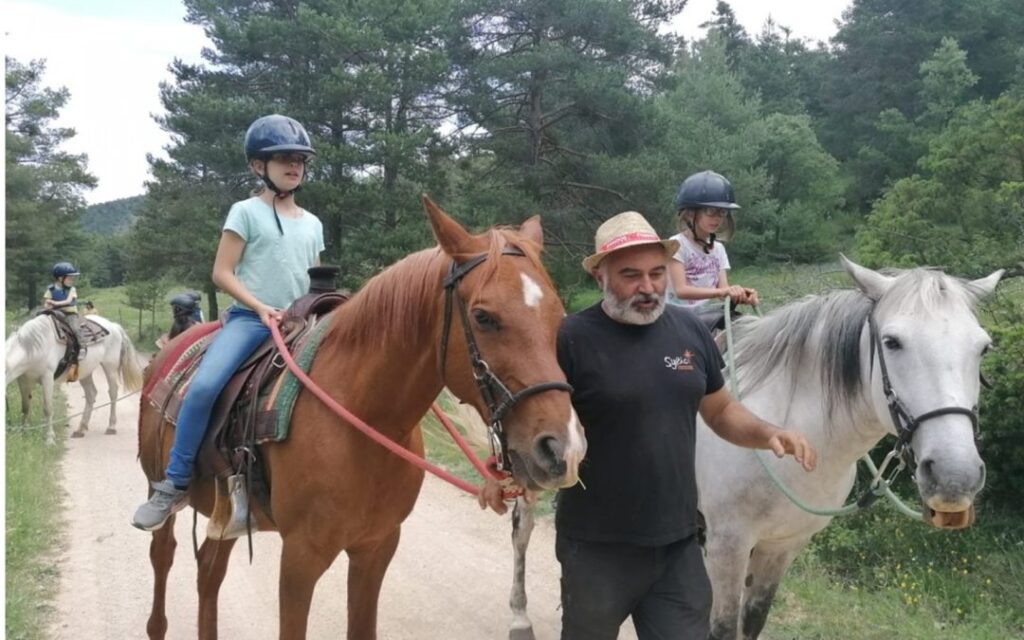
637,389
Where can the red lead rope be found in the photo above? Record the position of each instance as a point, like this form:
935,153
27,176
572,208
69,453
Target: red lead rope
485,470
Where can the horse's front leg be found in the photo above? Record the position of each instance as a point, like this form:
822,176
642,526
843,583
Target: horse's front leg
522,527
161,556
89,387
303,561
25,387
213,564
112,389
727,557
765,570
366,569
48,408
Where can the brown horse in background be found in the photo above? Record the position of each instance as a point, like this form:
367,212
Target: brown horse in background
386,356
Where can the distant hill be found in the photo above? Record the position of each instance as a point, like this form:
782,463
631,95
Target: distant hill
112,218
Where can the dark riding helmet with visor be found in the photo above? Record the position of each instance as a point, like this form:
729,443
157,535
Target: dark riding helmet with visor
707,190
64,269
275,134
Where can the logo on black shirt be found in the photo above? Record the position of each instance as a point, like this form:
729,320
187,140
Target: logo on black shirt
680,363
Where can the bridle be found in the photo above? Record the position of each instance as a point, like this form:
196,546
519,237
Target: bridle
498,398
904,421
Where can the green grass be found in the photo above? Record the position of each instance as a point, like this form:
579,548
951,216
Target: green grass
148,325
813,605
32,512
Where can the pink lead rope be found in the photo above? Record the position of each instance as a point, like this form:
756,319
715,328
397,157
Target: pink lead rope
486,470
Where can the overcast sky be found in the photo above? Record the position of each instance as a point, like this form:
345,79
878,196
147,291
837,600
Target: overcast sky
112,55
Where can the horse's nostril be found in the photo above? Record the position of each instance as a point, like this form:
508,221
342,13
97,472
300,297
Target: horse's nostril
925,468
551,454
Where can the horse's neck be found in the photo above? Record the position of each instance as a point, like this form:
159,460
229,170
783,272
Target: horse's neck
389,375
37,350
841,436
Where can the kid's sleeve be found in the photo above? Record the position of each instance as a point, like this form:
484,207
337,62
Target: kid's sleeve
319,236
72,294
724,257
47,294
238,222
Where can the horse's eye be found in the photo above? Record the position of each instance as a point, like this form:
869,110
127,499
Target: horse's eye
987,349
485,321
891,343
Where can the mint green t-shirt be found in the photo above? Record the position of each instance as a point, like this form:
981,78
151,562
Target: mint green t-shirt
273,266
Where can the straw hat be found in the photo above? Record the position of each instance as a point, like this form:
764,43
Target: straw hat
627,229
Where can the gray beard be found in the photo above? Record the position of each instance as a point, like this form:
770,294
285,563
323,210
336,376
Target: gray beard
624,312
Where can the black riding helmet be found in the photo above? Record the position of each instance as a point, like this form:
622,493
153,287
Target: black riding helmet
707,189
276,134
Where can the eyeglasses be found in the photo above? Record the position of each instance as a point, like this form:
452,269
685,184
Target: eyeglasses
288,158
715,213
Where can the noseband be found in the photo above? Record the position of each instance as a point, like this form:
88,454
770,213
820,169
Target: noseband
904,421
496,395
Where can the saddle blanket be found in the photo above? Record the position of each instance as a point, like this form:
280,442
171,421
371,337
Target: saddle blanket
276,400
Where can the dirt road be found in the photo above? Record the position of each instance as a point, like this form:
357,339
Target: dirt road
450,578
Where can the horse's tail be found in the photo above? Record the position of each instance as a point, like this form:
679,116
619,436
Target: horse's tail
130,369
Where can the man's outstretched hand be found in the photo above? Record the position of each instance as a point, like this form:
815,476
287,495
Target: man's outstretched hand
791,442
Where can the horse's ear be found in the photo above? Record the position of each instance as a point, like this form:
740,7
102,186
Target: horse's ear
454,240
532,230
871,283
983,287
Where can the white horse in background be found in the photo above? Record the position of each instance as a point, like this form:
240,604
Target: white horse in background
811,366
33,354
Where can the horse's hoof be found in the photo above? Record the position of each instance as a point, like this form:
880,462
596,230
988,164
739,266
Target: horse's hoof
78,434
111,431
525,633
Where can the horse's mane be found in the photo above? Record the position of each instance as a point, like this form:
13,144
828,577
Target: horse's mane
825,330
388,301
32,335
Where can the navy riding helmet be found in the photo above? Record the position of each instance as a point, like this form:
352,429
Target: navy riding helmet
64,269
276,134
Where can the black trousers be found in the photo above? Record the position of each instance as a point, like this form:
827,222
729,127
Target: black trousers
665,589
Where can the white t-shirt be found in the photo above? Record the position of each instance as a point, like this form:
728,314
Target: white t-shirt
701,268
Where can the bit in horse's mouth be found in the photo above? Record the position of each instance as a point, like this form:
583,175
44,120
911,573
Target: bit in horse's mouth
949,519
521,472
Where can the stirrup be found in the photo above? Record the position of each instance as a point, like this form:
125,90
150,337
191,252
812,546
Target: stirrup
225,524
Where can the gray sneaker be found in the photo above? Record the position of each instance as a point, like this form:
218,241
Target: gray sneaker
165,502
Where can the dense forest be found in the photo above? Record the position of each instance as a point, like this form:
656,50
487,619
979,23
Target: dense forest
111,218
899,140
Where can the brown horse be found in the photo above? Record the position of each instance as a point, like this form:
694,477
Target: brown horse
386,356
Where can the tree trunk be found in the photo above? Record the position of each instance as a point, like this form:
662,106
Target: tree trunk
211,295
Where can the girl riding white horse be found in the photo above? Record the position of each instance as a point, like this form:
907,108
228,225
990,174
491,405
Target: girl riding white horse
33,353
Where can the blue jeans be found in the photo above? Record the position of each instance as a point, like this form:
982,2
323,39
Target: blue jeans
240,336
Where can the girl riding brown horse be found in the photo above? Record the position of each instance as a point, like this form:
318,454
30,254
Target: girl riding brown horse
386,356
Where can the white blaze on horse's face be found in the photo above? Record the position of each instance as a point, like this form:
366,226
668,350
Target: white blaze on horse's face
932,345
532,293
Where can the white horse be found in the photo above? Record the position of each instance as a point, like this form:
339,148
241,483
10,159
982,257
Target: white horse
33,353
816,366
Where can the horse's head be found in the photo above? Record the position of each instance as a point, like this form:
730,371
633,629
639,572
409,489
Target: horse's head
498,347
929,345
